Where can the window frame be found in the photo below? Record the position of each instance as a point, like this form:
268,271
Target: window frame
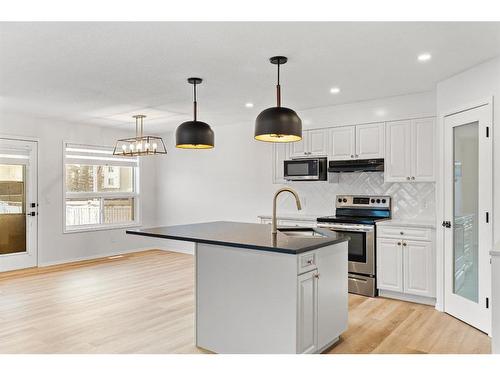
102,196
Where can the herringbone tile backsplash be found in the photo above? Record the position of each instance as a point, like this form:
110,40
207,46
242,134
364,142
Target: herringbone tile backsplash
409,200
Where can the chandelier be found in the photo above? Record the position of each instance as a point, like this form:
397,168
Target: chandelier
141,145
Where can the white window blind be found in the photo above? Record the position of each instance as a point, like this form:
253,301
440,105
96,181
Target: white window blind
100,189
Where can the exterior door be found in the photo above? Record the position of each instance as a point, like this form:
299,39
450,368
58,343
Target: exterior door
18,202
467,215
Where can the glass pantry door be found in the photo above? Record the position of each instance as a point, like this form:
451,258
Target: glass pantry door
467,225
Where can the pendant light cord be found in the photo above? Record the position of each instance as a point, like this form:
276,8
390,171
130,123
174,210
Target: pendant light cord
194,101
278,88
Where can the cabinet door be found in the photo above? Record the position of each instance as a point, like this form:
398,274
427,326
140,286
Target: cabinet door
318,142
307,335
397,151
280,154
370,141
419,268
300,148
389,265
342,143
423,150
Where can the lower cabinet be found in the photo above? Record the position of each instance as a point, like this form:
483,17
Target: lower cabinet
307,328
321,299
406,266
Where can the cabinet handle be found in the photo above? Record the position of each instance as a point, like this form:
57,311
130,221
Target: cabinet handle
401,233
404,243
352,156
357,156
399,243
412,177
408,178
310,261
316,275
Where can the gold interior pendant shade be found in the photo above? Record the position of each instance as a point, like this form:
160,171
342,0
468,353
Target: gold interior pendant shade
141,145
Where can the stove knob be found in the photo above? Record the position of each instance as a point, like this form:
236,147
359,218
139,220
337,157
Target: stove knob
340,200
373,200
344,200
383,201
378,200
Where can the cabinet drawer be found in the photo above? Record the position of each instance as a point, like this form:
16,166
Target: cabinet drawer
405,233
307,262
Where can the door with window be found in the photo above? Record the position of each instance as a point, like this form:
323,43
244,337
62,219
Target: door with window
467,215
18,204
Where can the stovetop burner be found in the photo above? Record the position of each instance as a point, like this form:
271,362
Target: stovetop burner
359,209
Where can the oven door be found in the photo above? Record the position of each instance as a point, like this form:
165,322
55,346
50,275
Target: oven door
361,247
302,169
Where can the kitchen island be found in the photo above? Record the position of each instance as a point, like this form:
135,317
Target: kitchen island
262,293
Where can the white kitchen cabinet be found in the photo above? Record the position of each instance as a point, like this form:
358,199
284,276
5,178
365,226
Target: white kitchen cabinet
280,154
389,265
313,143
370,141
410,151
418,269
397,163
423,150
406,265
307,312
342,143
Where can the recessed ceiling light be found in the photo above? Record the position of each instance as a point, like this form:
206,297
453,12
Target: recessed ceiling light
334,90
249,105
424,57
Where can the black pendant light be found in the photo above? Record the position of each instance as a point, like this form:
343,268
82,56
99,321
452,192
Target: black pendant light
278,124
194,134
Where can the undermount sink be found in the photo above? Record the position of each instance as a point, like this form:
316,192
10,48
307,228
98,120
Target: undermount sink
301,232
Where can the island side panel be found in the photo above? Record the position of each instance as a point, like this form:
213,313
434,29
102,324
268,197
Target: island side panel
246,300
333,300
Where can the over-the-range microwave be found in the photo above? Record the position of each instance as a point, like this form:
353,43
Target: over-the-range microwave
305,169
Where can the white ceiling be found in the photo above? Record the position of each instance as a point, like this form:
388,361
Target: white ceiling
103,73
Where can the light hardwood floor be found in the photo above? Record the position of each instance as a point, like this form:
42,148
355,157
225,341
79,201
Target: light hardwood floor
144,303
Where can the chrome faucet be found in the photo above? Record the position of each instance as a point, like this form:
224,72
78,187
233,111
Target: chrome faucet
297,200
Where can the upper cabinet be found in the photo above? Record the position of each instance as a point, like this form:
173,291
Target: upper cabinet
313,143
342,143
357,142
370,141
410,150
280,154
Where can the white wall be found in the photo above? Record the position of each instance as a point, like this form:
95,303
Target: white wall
458,92
54,246
234,180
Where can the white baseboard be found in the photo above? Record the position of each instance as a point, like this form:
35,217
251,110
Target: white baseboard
110,254
407,297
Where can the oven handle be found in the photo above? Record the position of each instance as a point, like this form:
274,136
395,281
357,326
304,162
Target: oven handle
346,228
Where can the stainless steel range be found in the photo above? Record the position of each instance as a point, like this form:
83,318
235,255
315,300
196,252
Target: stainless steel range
356,216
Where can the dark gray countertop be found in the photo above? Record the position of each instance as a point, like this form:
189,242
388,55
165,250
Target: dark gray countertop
245,235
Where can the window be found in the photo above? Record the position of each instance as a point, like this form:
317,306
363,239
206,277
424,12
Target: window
101,190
